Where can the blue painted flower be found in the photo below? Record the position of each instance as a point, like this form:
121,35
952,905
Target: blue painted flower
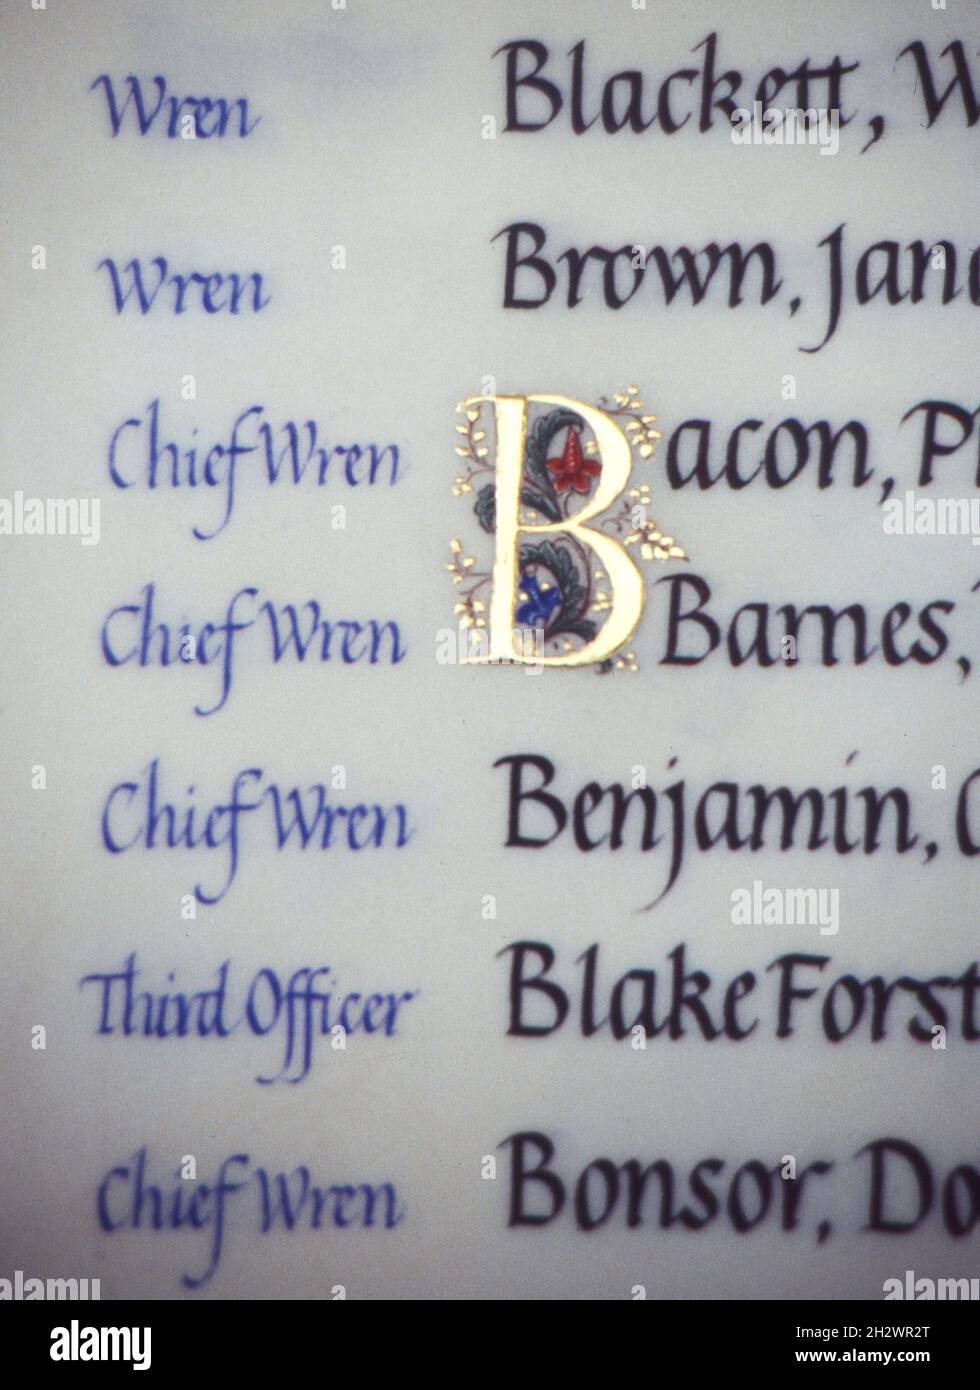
539,603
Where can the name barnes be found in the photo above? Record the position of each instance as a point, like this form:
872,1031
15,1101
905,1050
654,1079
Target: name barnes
725,815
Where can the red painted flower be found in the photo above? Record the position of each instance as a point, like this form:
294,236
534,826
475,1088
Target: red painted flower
573,469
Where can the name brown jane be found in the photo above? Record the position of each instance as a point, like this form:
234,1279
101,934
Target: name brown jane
725,816
891,271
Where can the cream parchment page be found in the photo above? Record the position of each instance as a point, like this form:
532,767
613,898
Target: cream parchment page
272,1145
